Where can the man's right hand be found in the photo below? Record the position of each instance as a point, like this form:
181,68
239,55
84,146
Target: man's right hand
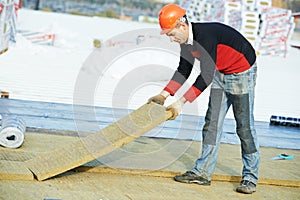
159,99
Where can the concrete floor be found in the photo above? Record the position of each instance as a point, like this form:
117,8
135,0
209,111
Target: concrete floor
115,186
143,169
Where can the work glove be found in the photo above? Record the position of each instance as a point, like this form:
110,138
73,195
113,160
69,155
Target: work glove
175,108
159,99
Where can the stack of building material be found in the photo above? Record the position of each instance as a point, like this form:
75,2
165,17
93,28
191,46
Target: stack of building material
249,5
5,12
214,10
7,24
261,4
233,14
267,28
250,26
275,31
203,10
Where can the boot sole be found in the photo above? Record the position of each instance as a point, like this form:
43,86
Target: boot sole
194,181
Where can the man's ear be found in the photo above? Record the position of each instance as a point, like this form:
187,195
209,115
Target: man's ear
184,26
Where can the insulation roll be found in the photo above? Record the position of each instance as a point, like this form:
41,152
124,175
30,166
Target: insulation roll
285,121
12,131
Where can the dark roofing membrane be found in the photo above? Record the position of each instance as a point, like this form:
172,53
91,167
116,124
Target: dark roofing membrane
58,116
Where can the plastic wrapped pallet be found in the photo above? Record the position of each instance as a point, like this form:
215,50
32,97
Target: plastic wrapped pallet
249,5
7,24
267,28
203,10
232,15
194,9
262,4
275,31
214,10
250,26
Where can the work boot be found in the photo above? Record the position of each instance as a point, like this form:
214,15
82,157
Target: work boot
191,177
246,187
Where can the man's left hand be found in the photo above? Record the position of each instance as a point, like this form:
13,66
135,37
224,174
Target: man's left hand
176,108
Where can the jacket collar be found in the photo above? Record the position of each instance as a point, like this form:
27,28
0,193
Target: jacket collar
191,37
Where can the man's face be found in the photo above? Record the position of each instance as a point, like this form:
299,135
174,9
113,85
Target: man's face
179,34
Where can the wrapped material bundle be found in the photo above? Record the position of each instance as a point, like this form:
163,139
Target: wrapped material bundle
233,14
12,132
204,10
275,31
267,28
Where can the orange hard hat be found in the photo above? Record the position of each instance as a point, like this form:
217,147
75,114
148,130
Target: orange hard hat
169,16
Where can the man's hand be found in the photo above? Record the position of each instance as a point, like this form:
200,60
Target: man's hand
176,108
159,99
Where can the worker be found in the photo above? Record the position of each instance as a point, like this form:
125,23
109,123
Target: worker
228,64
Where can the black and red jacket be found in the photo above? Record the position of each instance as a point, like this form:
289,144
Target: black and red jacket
217,47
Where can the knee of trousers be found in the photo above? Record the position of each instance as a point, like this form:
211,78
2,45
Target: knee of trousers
209,136
247,141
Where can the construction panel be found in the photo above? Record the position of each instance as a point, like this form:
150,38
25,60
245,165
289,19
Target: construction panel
14,170
95,145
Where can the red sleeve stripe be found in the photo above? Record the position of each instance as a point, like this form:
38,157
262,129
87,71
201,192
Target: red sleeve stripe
172,87
192,94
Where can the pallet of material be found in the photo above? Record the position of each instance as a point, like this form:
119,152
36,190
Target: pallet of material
4,94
